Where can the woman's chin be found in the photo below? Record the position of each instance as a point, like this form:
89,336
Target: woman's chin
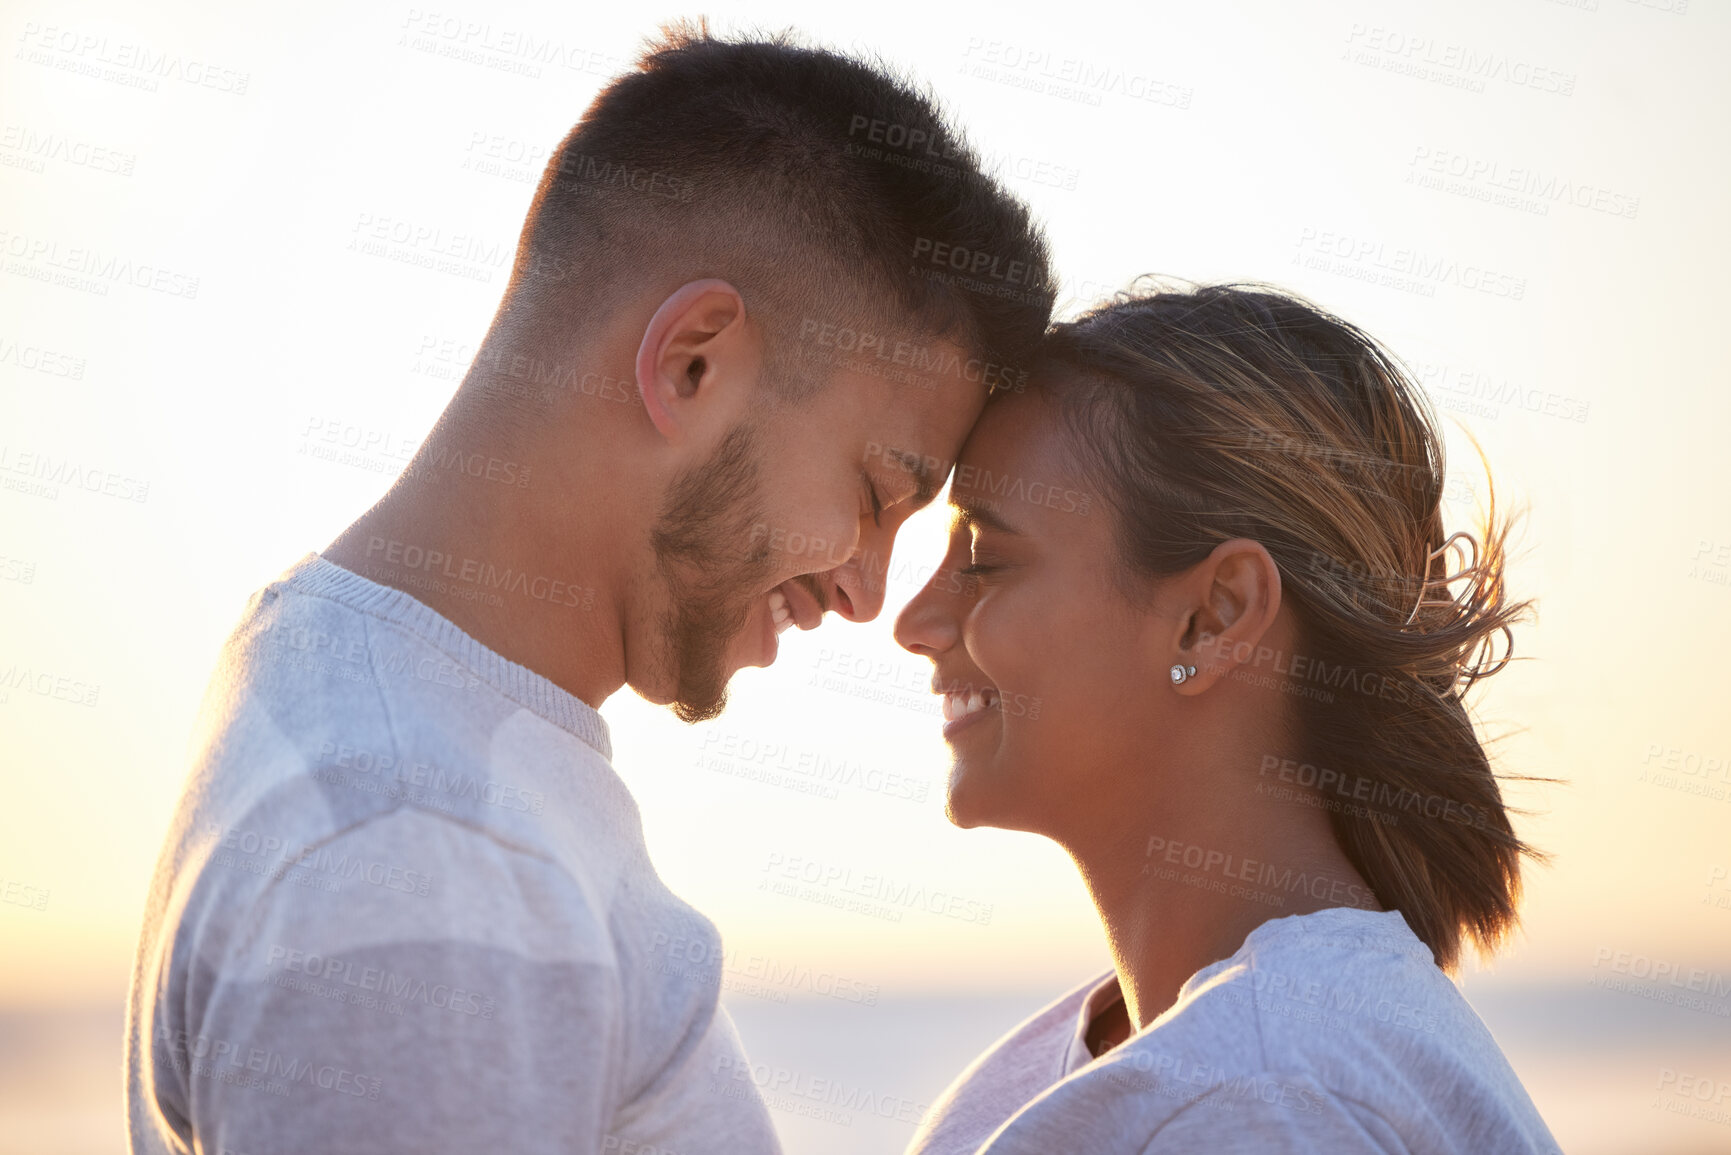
959,805
970,802
959,817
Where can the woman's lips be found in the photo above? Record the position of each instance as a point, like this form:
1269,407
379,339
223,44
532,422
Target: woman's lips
964,707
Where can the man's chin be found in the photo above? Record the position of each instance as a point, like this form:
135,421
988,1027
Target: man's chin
700,711
702,697
690,702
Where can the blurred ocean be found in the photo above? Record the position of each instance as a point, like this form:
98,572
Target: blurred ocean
1592,1060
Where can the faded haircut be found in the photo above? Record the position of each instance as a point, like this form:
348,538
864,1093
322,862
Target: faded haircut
827,189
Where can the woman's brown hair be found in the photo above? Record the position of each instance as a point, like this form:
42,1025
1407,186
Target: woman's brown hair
1227,411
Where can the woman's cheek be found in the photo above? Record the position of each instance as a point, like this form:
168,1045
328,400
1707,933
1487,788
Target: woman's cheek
1003,650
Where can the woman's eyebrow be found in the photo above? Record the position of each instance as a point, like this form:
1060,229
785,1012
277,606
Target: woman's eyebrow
971,512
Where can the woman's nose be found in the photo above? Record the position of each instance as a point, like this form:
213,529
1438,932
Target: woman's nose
929,624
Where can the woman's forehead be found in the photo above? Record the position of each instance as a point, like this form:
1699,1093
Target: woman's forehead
1016,467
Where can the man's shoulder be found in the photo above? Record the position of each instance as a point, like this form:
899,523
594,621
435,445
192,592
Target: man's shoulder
378,716
403,874
327,732
347,804
297,639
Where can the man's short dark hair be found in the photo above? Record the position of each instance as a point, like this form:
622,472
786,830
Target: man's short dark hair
829,190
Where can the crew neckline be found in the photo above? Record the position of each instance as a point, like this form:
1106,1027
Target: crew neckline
317,575
1099,997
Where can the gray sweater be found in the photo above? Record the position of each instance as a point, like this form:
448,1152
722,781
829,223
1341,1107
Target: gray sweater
1326,1033
405,905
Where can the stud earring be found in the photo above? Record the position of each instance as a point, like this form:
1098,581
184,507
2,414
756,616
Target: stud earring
1180,673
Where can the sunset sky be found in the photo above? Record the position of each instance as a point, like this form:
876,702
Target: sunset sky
1523,198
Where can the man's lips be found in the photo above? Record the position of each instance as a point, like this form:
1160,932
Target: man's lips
780,615
793,603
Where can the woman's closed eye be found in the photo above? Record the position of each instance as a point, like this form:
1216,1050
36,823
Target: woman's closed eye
982,564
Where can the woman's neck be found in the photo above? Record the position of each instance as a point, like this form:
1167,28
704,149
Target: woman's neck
1192,891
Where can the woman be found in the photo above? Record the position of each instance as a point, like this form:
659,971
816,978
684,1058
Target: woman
1201,624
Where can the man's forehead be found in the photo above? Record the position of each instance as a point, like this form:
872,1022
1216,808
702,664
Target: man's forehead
922,422
920,360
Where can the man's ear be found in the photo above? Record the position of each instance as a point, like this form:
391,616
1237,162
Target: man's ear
697,336
1234,597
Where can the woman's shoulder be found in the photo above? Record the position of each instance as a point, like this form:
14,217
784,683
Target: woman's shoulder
1334,987
1053,1024
1338,1019
1008,1074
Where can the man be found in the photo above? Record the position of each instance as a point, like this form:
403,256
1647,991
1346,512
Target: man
405,905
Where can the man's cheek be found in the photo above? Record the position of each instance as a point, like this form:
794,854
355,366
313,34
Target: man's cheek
742,651
744,648
810,547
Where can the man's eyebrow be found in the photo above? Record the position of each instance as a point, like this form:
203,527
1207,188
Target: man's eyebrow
927,481
972,512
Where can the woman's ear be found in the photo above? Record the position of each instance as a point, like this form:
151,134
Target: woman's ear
1234,597
698,336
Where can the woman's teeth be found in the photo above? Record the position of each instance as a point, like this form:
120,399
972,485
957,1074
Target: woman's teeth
963,703
779,612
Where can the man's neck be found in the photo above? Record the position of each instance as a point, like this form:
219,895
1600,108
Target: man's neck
526,576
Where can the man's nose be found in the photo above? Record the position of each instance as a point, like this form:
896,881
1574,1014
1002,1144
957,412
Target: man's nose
858,587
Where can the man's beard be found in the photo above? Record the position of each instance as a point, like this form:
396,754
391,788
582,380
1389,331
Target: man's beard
711,569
